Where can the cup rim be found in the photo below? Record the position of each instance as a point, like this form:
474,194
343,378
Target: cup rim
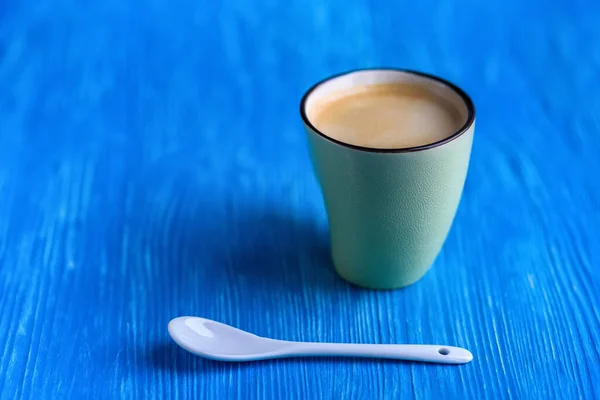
464,96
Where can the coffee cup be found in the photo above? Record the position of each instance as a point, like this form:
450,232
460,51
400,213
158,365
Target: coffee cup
391,169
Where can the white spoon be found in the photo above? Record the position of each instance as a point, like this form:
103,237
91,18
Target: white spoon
218,341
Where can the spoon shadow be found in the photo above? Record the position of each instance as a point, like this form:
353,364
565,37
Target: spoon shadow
171,358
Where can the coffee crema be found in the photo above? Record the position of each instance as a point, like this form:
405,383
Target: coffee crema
386,116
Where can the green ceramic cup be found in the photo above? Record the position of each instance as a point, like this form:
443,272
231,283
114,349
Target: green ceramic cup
389,210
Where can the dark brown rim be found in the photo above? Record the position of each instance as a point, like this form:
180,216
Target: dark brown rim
467,100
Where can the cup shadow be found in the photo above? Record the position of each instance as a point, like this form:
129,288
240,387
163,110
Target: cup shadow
197,227
280,250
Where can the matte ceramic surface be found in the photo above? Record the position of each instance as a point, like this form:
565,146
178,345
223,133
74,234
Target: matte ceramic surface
212,339
389,211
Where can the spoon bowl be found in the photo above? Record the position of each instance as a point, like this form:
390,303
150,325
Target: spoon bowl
218,341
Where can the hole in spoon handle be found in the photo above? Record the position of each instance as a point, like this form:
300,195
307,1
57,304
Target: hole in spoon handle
444,351
436,354
431,353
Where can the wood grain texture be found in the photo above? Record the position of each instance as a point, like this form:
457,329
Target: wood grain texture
152,165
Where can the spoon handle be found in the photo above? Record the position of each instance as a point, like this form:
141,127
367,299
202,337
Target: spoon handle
410,352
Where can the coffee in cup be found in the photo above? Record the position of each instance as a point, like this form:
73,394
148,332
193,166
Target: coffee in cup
386,116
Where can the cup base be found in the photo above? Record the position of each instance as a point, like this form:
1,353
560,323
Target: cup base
390,285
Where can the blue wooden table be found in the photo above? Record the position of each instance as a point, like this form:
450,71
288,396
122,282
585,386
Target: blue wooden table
153,164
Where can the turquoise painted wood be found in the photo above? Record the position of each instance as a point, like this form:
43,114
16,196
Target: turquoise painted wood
153,164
